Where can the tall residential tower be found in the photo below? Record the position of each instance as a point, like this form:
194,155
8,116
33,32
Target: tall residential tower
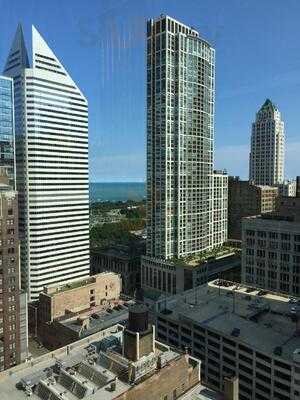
267,147
181,220
180,119
51,116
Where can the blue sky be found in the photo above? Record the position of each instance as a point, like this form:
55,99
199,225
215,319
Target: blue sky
101,44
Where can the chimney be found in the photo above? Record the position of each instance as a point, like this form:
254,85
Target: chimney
231,388
138,337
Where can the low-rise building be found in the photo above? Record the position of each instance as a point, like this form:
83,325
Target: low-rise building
57,300
116,364
287,188
177,275
237,331
73,327
246,199
121,259
289,207
63,313
271,253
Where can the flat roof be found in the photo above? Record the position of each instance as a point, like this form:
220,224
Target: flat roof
194,260
83,368
54,289
200,392
163,16
35,371
263,322
98,319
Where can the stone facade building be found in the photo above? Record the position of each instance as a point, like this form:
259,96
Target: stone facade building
123,260
246,199
271,253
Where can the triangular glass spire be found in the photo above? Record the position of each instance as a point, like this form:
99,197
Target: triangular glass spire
18,57
43,57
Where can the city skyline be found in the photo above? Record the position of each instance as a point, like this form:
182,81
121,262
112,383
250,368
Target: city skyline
114,51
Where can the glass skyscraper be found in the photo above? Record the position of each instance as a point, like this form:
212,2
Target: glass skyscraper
7,141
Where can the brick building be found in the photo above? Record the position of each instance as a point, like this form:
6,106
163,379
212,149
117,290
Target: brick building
63,314
55,301
246,199
13,330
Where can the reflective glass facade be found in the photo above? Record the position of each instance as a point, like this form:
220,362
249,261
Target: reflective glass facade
7,157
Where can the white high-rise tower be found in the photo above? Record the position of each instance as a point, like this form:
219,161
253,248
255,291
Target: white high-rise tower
180,132
267,146
51,115
186,199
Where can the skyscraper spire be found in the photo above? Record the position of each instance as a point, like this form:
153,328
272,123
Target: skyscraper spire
18,57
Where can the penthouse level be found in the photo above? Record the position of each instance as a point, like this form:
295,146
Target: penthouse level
237,331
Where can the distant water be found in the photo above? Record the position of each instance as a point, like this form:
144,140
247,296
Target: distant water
115,191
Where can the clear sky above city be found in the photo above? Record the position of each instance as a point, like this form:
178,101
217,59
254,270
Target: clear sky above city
102,45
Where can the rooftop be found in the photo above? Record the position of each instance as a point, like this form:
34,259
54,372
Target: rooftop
125,252
51,373
235,310
55,289
98,319
163,16
205,256
201,392
271,217
92,368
